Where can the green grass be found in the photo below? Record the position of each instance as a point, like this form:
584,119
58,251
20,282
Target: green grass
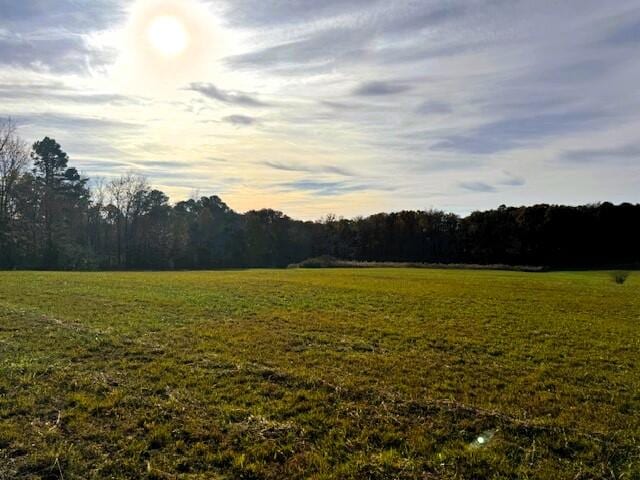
361,374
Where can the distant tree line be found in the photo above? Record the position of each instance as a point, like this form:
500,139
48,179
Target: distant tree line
51,219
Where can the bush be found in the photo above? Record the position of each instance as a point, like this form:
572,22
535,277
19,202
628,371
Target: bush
327,261
620,277
324,261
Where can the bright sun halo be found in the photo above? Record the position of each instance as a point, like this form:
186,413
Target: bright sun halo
168,36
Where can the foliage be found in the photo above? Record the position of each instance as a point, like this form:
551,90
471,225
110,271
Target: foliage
351,374
50,219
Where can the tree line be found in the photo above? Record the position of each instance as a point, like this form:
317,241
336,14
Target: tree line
51,218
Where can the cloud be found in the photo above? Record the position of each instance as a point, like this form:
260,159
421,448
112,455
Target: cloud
70,123
323,188
333,32
56,51
511,180
240,120
90,141
477,187
297,167
346,106
226,96
449,164
57,91
434,107
258,13
624,154
420,16
216,160
101,149
626,34
164,165
505,179
322,47
378,16
37,14
375,89
517,132
35,35
570,73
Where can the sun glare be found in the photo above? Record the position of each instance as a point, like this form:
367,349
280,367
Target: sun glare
167,44
168,36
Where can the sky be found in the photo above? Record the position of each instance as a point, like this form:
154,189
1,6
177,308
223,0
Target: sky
349,107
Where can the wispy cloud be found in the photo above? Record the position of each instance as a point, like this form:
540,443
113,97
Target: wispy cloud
434,107
606,156
628,33
374,89
209,90
240,120
309,168
58,92
517,132
36,14
322,47
324,188
73,123
477,187
55,51
505,179
511,180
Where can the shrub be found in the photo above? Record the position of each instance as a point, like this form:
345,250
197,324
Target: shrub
327,261
324,261
620,277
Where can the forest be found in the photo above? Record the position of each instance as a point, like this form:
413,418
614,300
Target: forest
52,217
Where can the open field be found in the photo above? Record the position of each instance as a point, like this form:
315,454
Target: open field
363,374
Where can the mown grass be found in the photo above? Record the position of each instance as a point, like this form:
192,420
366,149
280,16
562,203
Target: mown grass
361,374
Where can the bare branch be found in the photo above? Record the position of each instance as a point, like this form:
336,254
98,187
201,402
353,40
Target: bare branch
14,157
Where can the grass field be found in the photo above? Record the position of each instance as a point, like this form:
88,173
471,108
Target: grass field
362,374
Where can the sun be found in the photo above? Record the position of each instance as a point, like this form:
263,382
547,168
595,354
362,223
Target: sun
168,35
167,44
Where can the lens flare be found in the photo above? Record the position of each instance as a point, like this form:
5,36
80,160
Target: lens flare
168,36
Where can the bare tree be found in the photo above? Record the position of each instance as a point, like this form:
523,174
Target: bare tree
124,191
98,190
14,156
